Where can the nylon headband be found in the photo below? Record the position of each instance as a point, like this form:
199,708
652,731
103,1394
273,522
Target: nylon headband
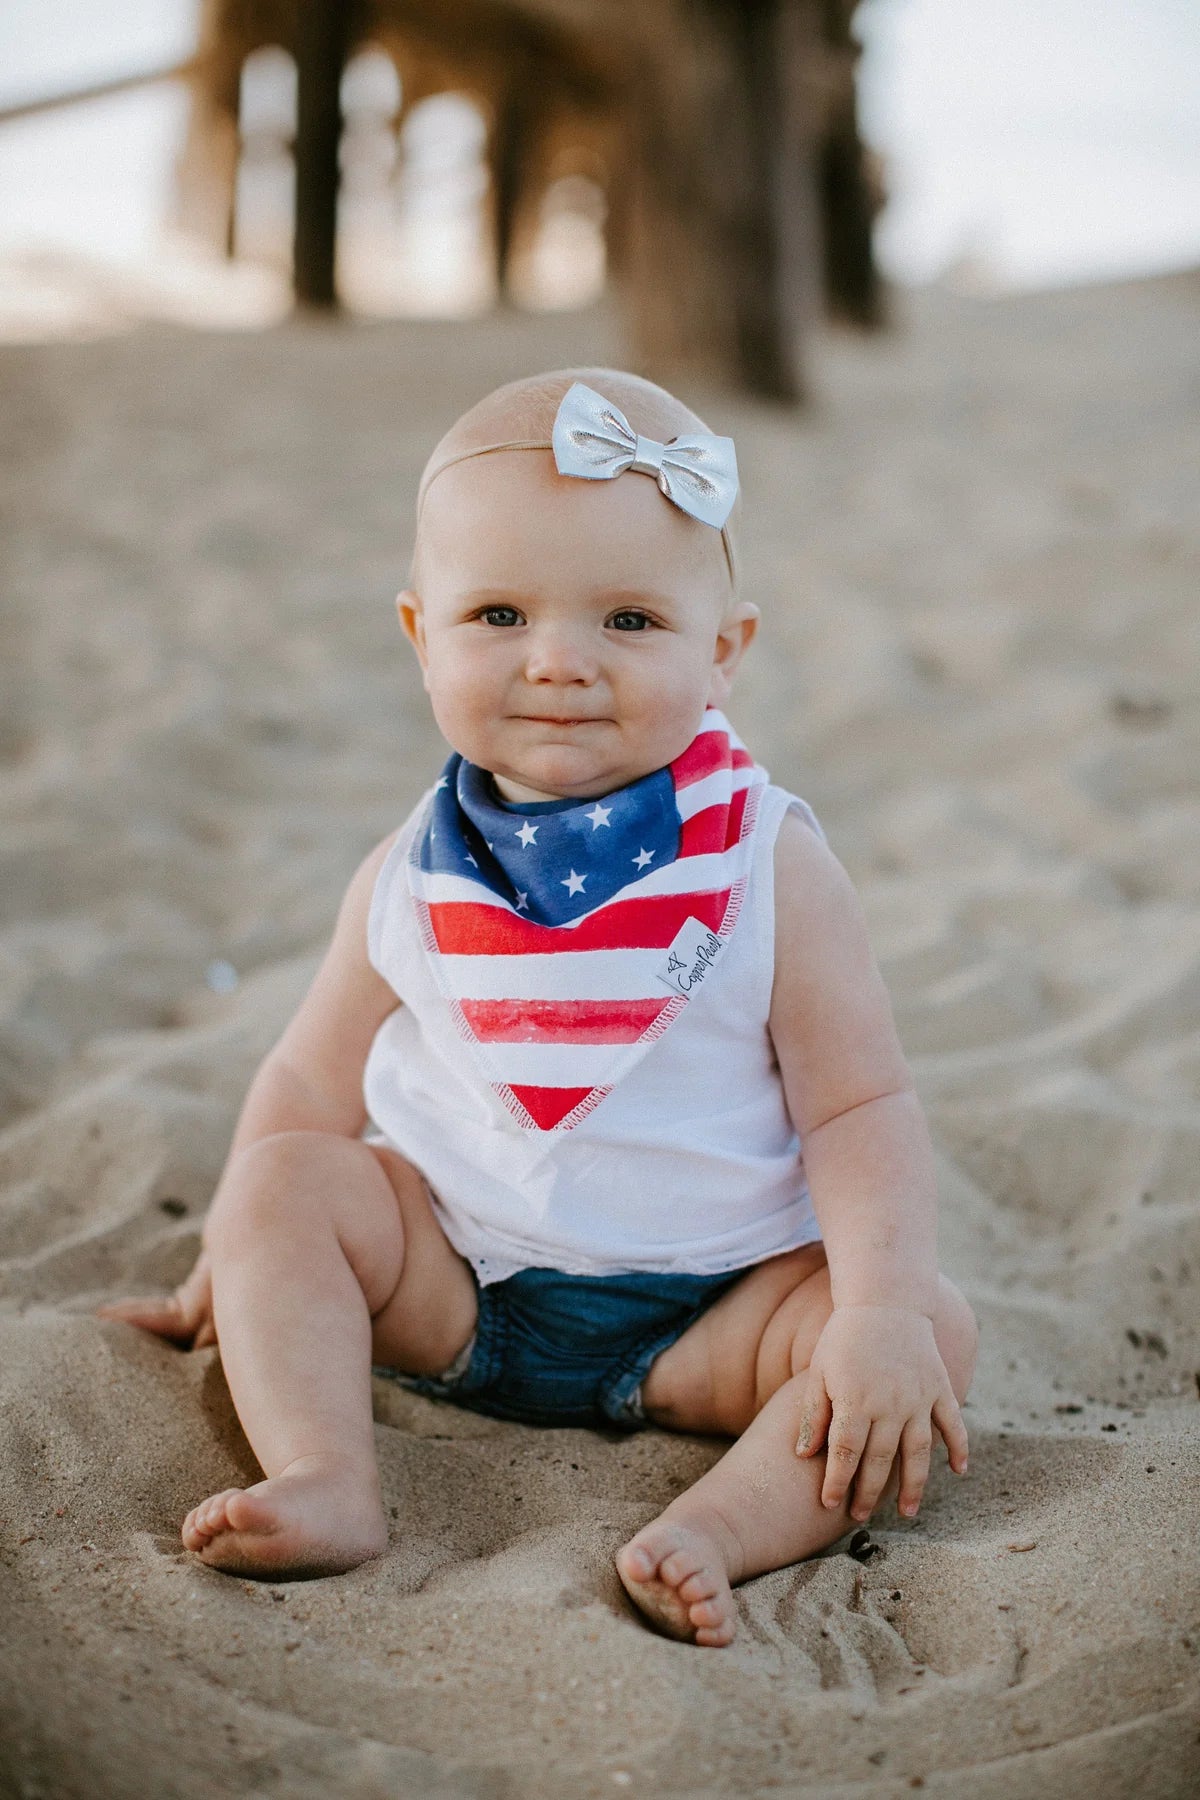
539,444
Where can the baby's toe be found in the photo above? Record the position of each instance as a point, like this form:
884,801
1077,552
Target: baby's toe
195,1534
642,1558
248,1511
206,1520
703,1585
715,1637
684,1565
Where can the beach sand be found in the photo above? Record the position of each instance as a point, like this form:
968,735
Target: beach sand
978,557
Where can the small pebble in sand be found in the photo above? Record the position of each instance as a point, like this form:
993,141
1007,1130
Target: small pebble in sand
862,1547
1030,1544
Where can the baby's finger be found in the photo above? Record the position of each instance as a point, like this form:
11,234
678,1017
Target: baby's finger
949,1422
874,1469
163,1317
816,1412
916,1443
194,1297
847,1436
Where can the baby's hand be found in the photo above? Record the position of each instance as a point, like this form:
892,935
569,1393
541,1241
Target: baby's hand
875,1381
186,1317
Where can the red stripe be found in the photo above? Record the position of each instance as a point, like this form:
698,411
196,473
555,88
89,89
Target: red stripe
472,928
733,826
703,756
546,1106
704,833
715,829
562,1021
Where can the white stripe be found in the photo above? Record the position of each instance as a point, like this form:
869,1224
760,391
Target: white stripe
574,975
691,875
714,790
433,885
686,875
554,1065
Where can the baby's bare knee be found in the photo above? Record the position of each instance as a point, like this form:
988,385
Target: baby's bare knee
790,1336
269,1186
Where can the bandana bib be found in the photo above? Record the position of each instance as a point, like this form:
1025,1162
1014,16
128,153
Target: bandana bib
568,936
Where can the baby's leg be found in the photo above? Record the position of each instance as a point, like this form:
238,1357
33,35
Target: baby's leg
760,1507
326,1257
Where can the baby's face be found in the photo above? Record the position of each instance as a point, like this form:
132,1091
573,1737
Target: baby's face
571,632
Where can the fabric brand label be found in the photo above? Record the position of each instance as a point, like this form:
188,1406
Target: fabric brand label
693,952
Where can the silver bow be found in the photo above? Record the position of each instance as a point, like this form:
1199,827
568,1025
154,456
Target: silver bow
593,438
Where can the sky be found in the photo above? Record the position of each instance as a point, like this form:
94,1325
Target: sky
1056,141
1039,142
95,177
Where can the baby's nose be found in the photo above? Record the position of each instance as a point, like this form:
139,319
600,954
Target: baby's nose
560,654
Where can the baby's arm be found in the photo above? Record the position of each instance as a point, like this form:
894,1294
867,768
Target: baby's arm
311,1080
876,1378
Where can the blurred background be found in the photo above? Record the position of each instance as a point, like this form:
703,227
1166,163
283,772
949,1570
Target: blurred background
494,154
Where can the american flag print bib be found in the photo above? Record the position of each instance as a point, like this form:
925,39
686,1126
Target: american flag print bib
567,937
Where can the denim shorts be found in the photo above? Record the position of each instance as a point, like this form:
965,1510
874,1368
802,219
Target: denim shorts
555,1349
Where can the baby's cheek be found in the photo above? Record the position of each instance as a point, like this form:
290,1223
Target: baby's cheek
457,719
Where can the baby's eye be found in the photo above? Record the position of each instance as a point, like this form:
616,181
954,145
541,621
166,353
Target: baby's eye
500,615
630,619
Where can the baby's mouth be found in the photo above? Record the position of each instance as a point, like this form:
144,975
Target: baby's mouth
542,719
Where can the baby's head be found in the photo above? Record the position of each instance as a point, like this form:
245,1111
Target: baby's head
571,632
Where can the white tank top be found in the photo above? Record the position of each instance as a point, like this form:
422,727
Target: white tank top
690,1165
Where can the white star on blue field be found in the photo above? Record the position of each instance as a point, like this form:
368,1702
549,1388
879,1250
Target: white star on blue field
554,860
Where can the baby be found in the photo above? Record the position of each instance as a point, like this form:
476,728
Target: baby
594,1112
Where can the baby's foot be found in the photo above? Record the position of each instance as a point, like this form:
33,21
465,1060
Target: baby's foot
678,1574
318,1516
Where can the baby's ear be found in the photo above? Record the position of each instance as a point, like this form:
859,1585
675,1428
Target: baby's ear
733,640
412,620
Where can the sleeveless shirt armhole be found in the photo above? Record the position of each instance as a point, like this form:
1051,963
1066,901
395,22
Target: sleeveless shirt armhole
805,812
391,868
783,803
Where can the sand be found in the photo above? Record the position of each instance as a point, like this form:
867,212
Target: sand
978,559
